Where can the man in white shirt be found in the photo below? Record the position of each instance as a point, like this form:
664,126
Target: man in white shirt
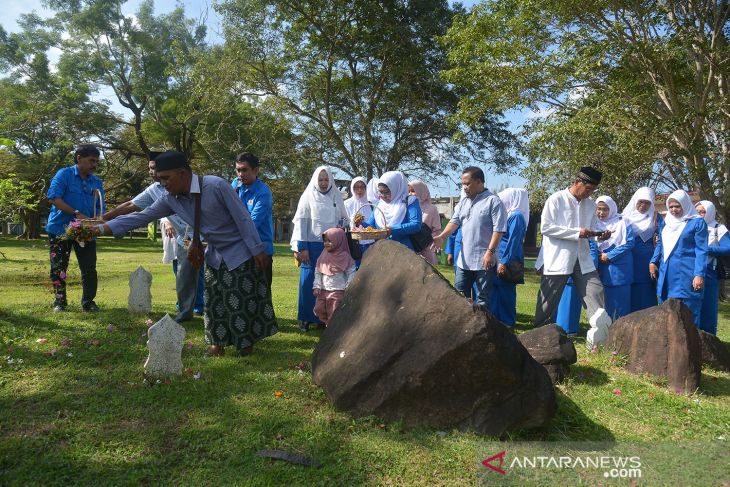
567,221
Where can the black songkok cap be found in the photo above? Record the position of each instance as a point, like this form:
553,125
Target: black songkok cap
154,154
587,174
171,160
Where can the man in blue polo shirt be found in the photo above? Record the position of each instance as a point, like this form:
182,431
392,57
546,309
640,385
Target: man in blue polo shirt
257,198
71,196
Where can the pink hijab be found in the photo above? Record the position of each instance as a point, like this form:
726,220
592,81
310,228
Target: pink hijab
430,212
331,262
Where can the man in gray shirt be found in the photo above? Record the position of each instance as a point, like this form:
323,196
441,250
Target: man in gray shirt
238,307
483,220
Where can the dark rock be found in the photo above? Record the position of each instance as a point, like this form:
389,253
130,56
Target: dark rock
714,352
552,348
405,346
662,341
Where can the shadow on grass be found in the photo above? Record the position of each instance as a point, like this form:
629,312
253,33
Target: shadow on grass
583,374
715,386
26,321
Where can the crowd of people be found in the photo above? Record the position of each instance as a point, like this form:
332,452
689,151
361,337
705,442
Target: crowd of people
591,256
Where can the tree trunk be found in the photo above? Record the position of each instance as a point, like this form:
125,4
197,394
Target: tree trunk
31,224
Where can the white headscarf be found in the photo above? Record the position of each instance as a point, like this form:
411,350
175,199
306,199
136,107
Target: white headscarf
372,191
715,231
516,200
396,210
674,226
318,211
613,222
643,223
353,203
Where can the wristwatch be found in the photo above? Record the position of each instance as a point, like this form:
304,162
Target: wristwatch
491,251
76,213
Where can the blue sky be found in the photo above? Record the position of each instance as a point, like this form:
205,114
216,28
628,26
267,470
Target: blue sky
12,9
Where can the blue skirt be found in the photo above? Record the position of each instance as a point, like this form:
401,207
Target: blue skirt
503,304
305,310
618,300
708,314
568,315
643,295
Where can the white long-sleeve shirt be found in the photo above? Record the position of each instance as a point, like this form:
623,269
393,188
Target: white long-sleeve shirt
338,282
562,218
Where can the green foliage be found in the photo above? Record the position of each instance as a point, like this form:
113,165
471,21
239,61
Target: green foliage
638,89
359,81
15,196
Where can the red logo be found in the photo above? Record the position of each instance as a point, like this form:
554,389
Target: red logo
487,463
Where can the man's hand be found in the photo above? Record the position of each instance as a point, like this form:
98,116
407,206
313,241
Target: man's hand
261,260
698,283
604,235
603,258
316,291
169,230
587,233
501,270
81,216
653,271
488,260
450,259
302,257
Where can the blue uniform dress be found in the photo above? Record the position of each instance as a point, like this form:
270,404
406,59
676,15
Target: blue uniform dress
401,232
708,316
687,260
504,299
617,276
567,316
307,300
643,287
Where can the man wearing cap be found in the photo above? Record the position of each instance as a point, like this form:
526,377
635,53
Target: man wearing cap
238,307
567,221
188,280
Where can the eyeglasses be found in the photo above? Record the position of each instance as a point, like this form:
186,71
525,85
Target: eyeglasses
384,192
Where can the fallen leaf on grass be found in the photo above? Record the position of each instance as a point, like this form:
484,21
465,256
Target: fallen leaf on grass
196,375
65,342
149,323
279,394
94,343
289,457
42,341
69,354
189,345
50,353
617,392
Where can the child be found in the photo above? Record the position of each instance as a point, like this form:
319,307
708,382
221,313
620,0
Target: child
334,271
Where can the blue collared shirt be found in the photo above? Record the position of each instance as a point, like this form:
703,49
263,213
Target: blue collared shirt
152,193
259,202
478,218
225,224
76,192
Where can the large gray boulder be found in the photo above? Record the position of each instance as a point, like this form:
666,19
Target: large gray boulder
405,346
550,347
662,341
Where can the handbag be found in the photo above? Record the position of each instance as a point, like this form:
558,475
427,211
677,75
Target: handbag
353,245
514,272
422,238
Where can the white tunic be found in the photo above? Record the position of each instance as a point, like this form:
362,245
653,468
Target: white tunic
562,218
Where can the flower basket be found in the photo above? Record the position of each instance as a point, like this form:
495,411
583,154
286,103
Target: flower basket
369,233
95,219
77,231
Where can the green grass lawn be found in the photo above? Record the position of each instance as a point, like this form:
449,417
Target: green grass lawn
83,415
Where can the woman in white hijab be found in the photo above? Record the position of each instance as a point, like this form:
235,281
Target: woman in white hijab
718,244
680,259
320,208
399,211
504,300
616,264
645,223
359,204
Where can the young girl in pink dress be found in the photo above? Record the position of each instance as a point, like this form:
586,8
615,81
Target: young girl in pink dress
334,271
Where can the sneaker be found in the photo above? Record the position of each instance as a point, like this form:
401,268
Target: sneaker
303,326
59,308
91,307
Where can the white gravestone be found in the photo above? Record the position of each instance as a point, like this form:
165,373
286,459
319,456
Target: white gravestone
165,344
140,293
597,334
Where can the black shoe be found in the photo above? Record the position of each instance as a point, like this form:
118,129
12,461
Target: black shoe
245,351
59,307
304,326
182,319
91,307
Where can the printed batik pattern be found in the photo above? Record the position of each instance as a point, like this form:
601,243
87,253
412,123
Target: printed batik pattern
238,306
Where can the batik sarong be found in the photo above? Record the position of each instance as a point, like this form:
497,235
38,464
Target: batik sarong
238,307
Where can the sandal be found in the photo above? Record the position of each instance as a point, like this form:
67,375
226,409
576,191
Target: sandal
216,351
